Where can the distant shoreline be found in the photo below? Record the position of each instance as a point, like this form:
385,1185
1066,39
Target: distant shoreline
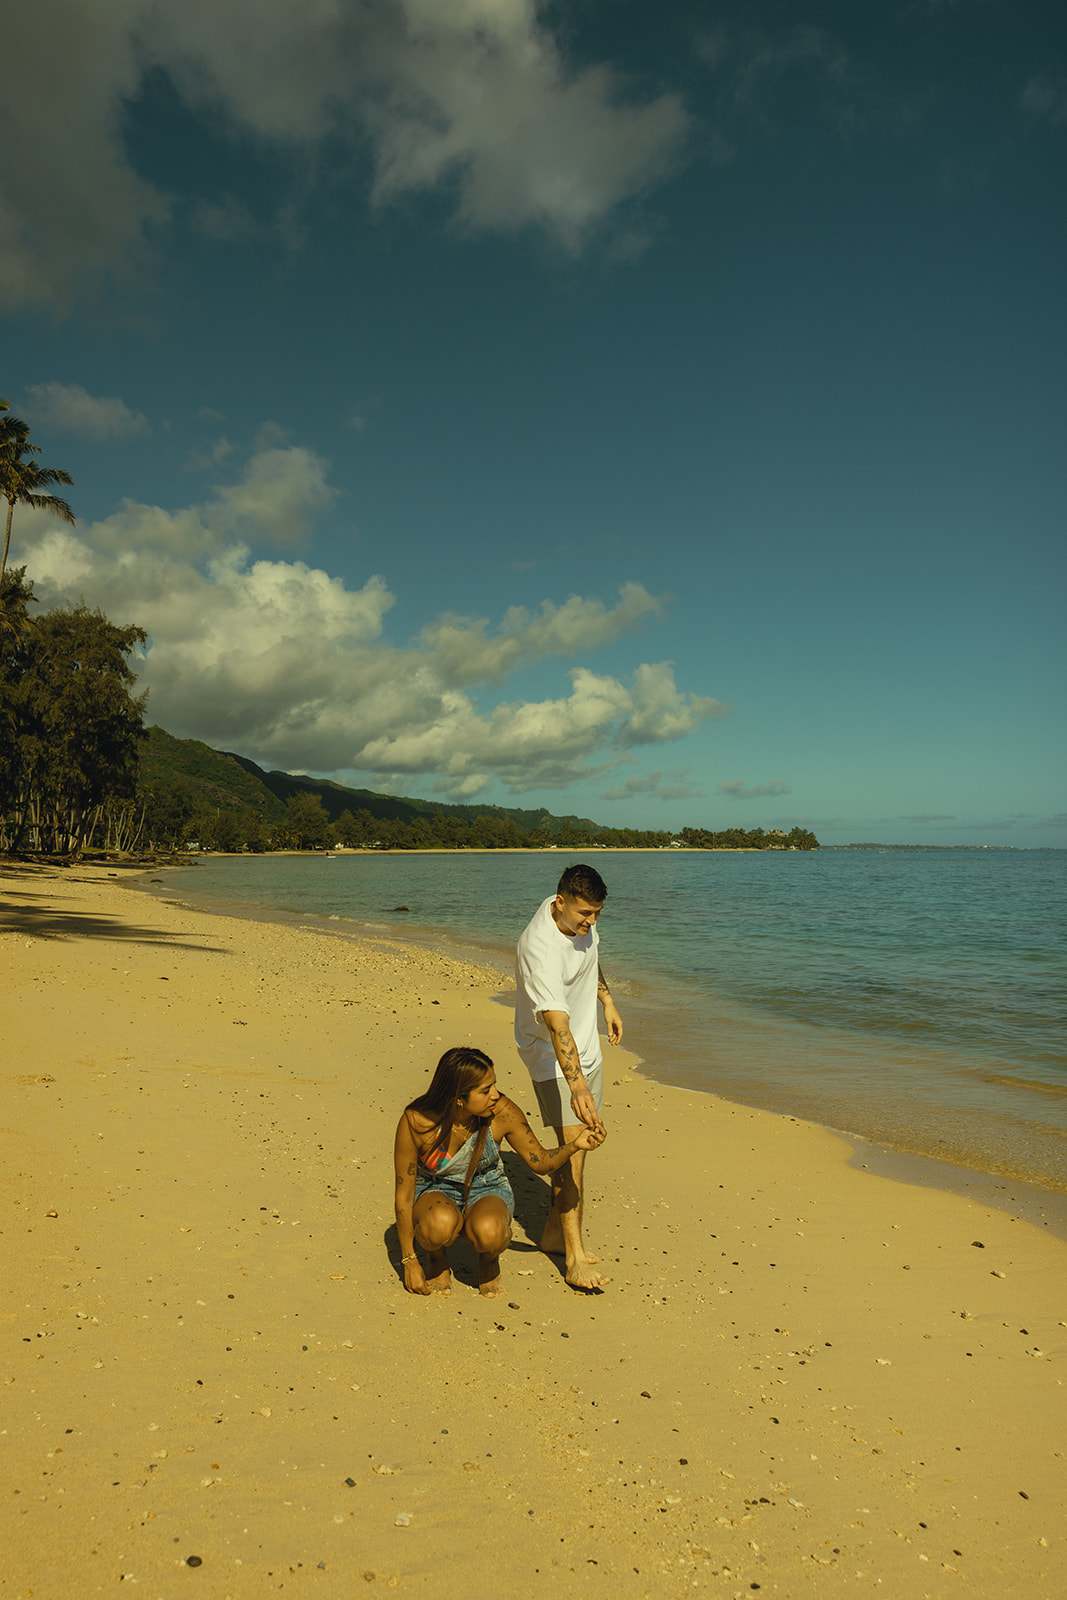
599,849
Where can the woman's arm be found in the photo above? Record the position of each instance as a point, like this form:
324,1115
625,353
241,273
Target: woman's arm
511,1124
406,1163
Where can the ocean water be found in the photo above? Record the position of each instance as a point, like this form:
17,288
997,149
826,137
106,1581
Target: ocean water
916,998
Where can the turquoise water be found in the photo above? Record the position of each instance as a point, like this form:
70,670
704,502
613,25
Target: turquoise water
913,997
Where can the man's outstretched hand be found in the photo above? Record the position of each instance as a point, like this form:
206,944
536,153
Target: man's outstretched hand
584,1108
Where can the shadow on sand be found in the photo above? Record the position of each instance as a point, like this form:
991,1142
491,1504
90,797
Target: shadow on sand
39,916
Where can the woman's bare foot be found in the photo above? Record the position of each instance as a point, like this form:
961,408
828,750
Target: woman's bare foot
437,1274
489,1280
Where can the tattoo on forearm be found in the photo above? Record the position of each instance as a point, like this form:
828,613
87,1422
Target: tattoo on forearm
567,1056
603,992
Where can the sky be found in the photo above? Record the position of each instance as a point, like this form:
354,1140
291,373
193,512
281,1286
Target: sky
650,412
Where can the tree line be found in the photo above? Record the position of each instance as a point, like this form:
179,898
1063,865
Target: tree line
752,839
307,825
173,818
70,726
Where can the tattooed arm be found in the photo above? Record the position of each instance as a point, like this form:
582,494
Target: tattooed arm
510,1123
405,1162
612,1020
558,1024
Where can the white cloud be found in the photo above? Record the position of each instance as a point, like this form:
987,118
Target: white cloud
286,664
652,786
737,789
481,97
72,209
547,744
69,408
462,789
464,653
657,712
474,96
279,497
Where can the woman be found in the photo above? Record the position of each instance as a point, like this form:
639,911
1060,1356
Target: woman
449,1175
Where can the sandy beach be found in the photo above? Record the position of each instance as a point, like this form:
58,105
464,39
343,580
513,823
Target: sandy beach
804,1379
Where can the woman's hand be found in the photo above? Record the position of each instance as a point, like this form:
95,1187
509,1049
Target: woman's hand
510,1123
415,1278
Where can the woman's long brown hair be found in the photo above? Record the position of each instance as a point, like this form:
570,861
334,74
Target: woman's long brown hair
459,1070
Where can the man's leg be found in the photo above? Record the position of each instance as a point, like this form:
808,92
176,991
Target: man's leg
563,1227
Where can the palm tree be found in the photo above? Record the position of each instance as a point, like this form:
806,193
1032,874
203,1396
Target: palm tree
22,480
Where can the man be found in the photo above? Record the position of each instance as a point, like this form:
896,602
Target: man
559,981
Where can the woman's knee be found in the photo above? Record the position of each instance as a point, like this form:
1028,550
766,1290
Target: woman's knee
490,1240
438,1225
489,1231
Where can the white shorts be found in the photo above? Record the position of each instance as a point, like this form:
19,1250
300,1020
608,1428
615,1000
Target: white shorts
554,1097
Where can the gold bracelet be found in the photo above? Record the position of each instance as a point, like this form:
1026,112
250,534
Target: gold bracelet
405,1259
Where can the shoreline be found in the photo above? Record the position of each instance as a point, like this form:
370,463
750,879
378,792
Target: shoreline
803,1378
1020,1193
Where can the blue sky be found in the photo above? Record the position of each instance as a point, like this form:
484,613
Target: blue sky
650,412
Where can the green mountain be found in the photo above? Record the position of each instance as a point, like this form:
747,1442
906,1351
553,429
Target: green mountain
217,781
222,781
229,803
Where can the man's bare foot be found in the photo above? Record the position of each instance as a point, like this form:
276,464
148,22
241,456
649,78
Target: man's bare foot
582,1274
489,1280
437,1274
558,1248
554,1244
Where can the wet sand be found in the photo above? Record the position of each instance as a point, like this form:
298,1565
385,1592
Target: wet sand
804,1380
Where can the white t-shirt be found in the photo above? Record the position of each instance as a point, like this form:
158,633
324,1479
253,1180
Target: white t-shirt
555,973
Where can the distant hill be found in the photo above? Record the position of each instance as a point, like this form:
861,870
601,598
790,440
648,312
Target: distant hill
216,779
229,782
225,800
335,798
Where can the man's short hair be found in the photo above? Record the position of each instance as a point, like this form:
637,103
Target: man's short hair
583,883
